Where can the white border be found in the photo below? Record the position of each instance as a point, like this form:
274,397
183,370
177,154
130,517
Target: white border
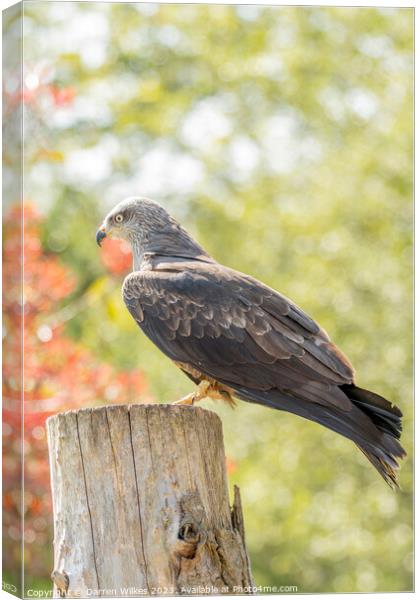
340,3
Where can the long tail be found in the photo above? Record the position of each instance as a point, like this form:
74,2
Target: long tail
372,423
387,419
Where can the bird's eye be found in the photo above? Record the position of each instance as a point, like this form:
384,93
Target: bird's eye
119,218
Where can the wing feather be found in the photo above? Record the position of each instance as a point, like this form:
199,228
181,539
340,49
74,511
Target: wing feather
234,329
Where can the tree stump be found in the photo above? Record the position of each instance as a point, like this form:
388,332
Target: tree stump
141,504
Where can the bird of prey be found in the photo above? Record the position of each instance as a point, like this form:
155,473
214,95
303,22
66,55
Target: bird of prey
236,337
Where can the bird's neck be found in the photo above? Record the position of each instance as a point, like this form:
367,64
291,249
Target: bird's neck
137,258
162,246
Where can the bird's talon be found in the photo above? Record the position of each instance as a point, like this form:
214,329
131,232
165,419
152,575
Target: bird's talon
186,401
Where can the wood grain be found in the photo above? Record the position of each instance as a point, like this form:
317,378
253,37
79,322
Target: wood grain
141,504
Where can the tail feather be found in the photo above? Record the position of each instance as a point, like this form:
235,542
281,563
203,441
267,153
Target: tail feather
372,423
387,472
385,415
387,418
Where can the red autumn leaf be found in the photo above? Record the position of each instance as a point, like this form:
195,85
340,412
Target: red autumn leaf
61,96
116,255
58,372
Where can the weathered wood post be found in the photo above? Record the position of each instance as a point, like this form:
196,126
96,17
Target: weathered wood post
141,504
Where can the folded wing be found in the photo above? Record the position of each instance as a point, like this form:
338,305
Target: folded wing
242,333
232,327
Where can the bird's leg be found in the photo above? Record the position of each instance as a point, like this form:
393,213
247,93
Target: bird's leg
198,394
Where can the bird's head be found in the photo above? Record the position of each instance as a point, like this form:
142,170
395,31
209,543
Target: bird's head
134,220
148,227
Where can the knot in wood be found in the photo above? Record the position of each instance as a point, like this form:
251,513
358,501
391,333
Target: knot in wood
188,532
191,531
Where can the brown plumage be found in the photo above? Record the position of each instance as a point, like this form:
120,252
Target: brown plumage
243,338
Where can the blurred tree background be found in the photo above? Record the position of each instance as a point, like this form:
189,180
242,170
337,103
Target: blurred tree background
281,137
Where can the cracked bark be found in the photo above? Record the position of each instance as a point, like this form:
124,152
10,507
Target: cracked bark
141,504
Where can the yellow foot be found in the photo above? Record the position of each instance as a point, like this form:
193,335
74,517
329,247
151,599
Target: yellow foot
186,400
200,393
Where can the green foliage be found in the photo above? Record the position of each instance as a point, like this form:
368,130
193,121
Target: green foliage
295,128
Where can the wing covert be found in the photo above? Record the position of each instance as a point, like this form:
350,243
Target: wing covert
236,330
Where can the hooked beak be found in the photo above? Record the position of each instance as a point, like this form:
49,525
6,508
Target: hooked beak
100,235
